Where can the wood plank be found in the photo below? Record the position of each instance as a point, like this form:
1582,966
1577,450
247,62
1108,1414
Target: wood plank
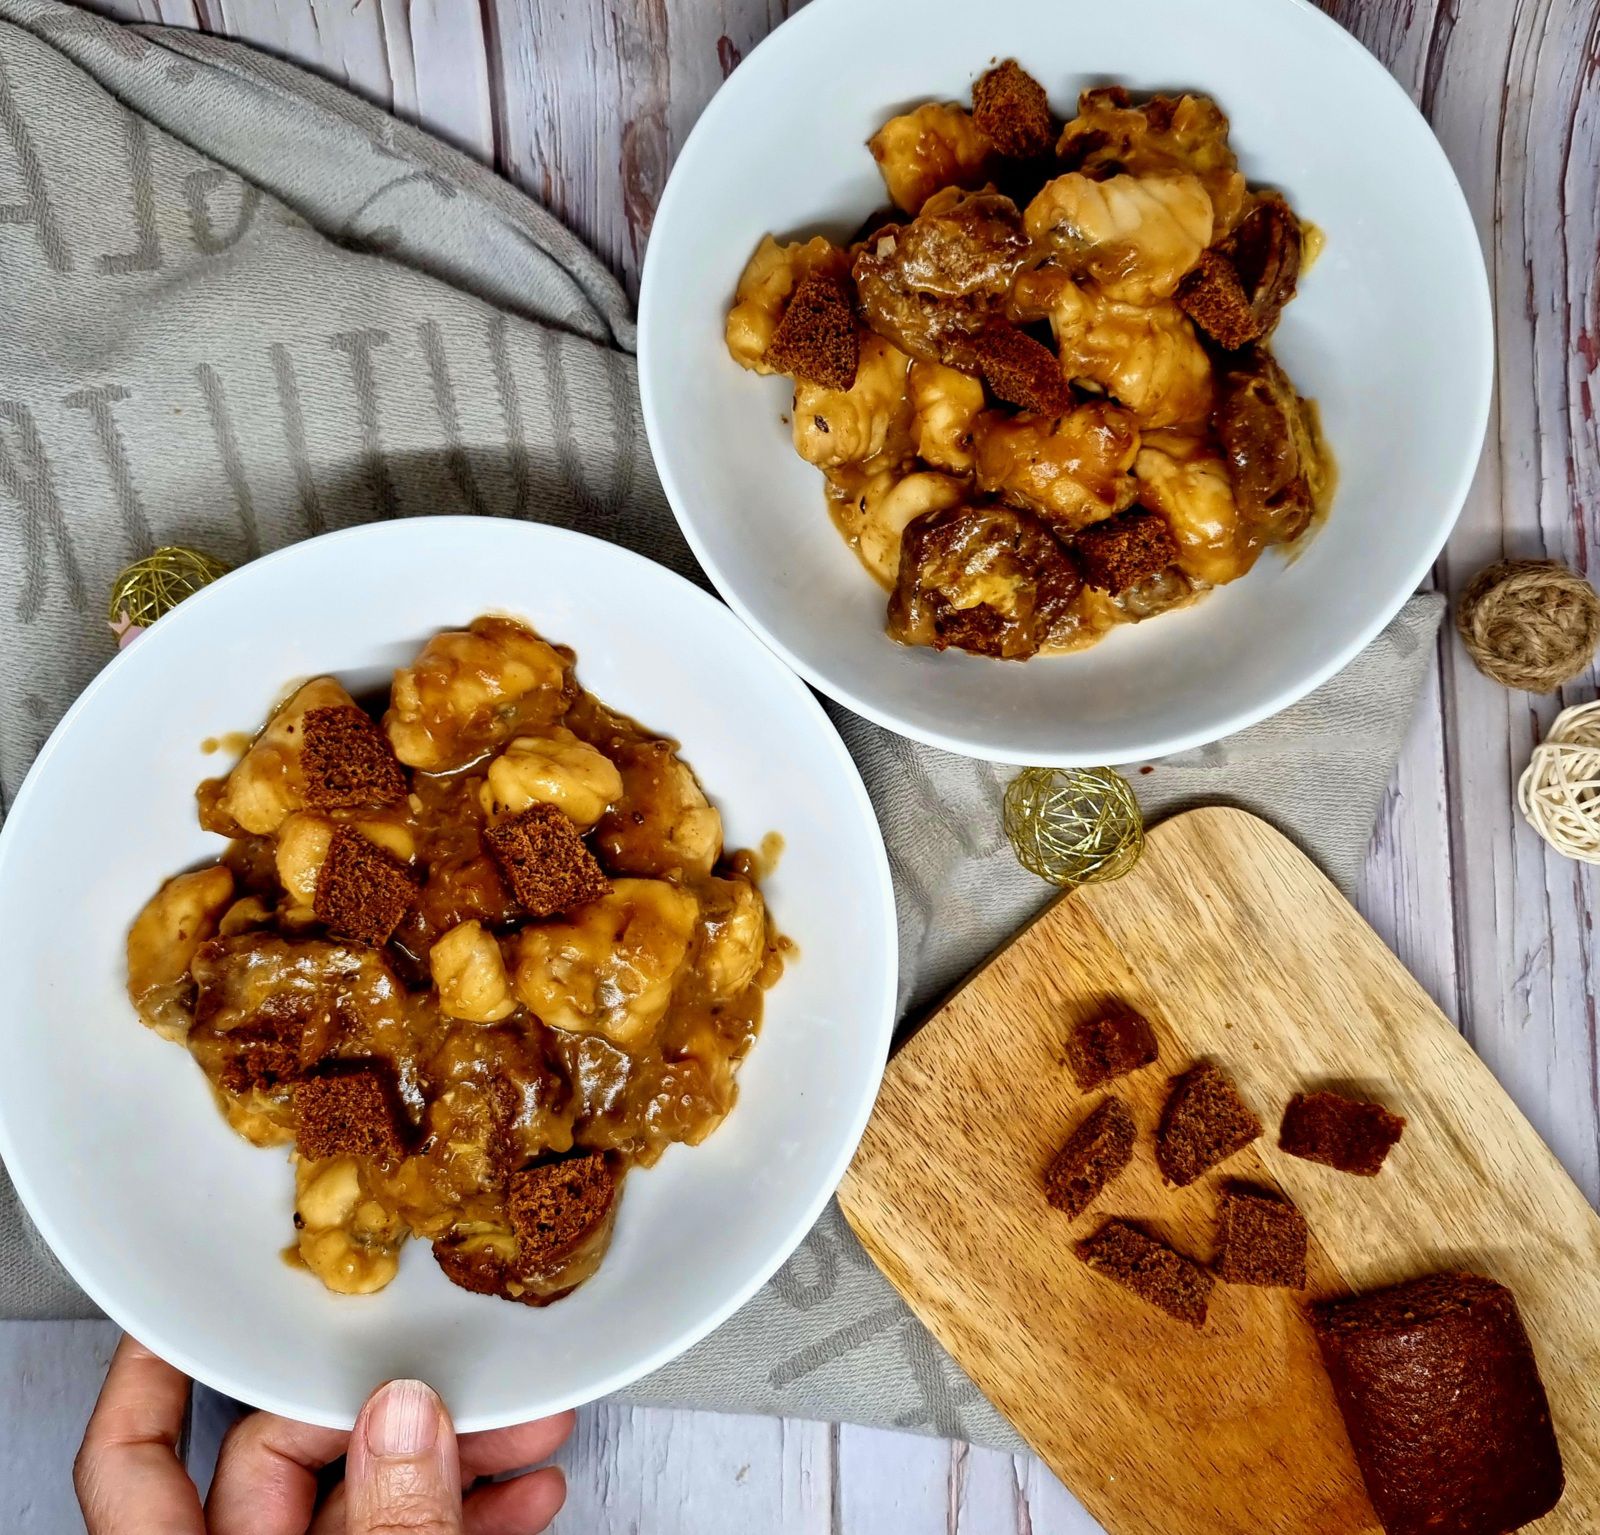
629,1470
1236,948
891,1481
438,64
334,37
1515,97
1405,888
593,102
50,1374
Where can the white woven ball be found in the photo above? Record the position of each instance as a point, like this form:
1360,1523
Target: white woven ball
1560,791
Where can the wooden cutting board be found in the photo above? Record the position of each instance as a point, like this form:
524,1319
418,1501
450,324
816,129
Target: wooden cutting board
1236,948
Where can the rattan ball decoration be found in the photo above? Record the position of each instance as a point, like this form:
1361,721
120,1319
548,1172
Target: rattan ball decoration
1560,791
1074,826
1531,624
156,585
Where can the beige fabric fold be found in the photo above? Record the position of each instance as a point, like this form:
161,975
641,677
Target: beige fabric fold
239,306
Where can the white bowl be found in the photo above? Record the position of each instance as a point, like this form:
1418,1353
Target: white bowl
1391,333
174,1225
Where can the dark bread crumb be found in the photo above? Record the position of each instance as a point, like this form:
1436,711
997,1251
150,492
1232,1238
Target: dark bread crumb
1097,1151
1021,371
476,1266
1153,1271
1205,1121
1440,1393
1262,1239
1237,290
554,1205
486,1264
1346,1133
545,861
348,1108
362,890
263,1054
1011,107
1121,551
1101,1049
347,760
1212,295
816,340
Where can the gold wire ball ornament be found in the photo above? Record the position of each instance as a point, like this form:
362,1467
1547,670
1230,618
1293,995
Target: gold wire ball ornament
155,585
1074,826
1560,791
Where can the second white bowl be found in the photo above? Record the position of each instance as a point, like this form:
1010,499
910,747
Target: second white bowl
1391,333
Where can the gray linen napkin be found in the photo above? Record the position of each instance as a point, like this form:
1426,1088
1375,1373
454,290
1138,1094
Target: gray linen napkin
241,306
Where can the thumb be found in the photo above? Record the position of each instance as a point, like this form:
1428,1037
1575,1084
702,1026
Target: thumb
403,1471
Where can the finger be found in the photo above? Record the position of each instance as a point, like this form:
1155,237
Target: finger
128,1476
521,1507
491,1452
265,1482
494,1450
403,1471
330,1518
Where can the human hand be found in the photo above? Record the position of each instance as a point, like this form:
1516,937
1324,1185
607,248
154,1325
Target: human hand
405,1467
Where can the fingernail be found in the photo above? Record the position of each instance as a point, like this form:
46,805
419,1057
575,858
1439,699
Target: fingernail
404,1419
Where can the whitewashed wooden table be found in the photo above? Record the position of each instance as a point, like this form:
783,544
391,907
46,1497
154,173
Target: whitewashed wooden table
584,103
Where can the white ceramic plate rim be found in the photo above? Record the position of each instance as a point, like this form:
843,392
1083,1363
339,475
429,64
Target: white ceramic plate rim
995,747
879,999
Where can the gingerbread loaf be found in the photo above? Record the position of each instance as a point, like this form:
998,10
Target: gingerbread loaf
1441,1396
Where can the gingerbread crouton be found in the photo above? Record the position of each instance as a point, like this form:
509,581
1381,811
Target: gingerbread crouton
483,1265
1011,107
1097,1152
816,340
1021,371
1157,1274
545,861
555,1206
1099,1050
348,1108
1346,1133
1120,552
1262,1240
1204,1123
347,760
362,891
1237,290
263,1054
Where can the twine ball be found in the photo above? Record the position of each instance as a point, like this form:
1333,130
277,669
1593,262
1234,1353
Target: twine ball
1530,624
1073,826
1559,792
155,585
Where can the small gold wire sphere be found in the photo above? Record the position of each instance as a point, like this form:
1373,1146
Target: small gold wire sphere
1074,826
1560,791
158,583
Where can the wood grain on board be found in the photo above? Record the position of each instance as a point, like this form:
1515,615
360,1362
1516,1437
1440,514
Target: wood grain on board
1239,951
